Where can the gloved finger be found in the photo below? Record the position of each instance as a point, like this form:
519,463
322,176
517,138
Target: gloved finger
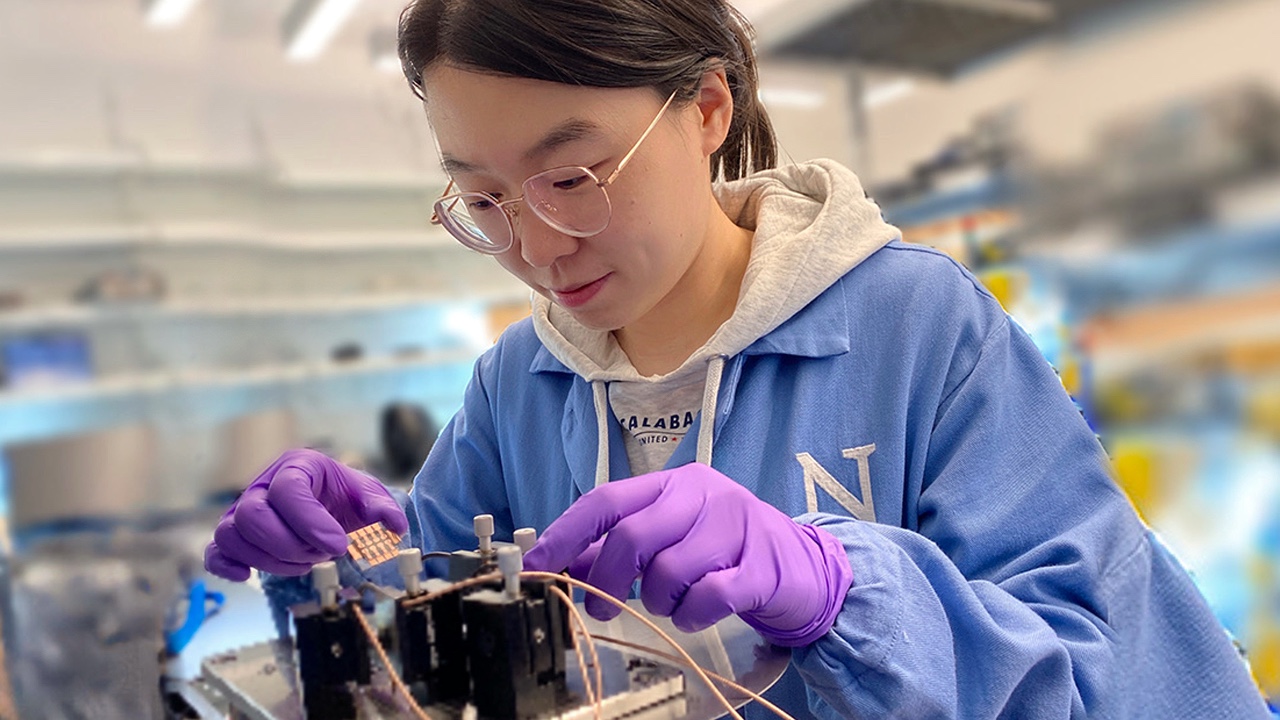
580,568
375,504
234,546
223,566
671,572
716,596
259,524
291,496
632,543
590,517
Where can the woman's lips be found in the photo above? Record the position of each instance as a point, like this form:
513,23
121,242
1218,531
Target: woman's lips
581,295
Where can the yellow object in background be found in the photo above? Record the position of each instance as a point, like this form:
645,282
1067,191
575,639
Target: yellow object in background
1264,656
1262,411
1071,373
1264,640
1000,285
1135,468
1007,284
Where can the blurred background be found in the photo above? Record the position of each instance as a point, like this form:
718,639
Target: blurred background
214,245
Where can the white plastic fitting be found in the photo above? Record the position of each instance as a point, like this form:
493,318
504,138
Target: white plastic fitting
409,563
525,538
484,533
324,576
510,564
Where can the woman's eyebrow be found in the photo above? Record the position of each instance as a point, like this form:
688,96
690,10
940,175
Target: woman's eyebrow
567,132
454,166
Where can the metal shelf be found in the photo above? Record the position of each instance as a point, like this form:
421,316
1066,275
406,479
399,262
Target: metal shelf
993,191
41,414
63,316
1207,261
55,239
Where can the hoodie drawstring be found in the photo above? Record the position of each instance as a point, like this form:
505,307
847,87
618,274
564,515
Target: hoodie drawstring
706,429
710,396
601,394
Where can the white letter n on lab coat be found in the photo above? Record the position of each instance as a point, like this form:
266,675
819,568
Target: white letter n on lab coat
815,475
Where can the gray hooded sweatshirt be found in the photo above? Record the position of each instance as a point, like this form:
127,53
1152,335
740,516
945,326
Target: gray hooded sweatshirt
812,222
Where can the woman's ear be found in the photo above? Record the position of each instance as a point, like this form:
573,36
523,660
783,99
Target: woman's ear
714,101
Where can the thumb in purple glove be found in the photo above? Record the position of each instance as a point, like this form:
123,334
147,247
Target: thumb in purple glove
704,548
297,513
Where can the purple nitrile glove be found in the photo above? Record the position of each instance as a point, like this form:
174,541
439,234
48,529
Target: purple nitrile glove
704,548
297,513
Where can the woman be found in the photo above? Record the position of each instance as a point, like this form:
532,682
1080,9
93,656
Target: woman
837,436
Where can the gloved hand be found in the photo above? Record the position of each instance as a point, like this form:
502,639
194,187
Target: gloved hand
297,513
704,547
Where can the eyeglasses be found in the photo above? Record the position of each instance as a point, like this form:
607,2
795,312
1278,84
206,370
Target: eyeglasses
572,200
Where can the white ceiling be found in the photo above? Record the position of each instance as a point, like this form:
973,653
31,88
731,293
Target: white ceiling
80,78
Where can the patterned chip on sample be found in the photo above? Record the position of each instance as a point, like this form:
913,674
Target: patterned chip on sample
372,545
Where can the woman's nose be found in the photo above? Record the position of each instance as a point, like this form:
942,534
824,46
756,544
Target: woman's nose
540,244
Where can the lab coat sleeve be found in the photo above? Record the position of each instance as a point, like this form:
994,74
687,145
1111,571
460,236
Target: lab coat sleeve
1029,589
463,475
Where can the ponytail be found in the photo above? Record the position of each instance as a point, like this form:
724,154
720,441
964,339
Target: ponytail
750,145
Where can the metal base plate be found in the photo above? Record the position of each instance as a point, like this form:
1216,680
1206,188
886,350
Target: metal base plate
259,682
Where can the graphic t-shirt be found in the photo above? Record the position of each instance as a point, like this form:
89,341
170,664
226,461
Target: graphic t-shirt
655,417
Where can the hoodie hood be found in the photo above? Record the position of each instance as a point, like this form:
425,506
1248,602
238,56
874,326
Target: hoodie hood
812,222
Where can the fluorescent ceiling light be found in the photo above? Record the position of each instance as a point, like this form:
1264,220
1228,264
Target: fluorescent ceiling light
885,93
1028,10
792,97
311,24
168,13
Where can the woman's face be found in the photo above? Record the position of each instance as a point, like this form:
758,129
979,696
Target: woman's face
496,131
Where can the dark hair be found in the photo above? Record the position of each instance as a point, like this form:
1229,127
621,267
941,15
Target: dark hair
664,44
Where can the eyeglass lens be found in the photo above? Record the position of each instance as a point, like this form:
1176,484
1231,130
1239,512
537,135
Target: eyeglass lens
476,220
569,199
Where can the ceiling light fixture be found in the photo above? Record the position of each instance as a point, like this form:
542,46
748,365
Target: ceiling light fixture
167,13
311,24
888,92
792,97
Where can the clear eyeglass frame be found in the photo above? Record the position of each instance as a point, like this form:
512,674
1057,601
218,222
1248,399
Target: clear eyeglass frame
593,208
